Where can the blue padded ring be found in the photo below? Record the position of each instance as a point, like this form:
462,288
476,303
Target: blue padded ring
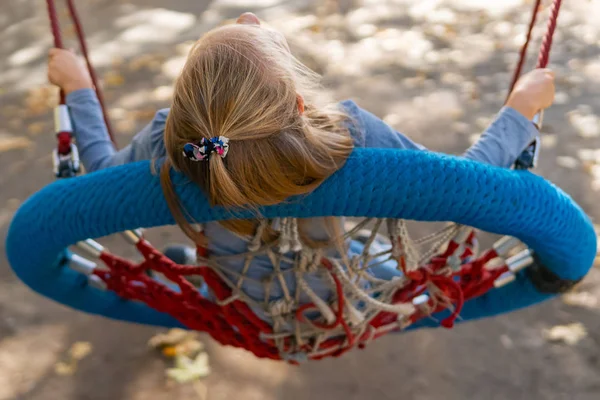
405,184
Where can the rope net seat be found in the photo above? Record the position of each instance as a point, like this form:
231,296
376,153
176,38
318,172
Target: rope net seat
362,308
560,240
311,303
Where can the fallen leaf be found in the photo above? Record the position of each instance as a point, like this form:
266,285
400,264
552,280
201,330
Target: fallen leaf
80,350
185,47
40,100
10,142
586,123
187,369
474,138
113,78
64,369
566,162
316,28
169,351
580,299
561,98
549,141
77,352
151,62
36,128
162,93
116,62
117,113
172,337
587,155
569,334
506,342
189,347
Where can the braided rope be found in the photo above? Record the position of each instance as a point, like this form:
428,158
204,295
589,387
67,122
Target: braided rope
55,28
544,54
58,43
524,47
546,46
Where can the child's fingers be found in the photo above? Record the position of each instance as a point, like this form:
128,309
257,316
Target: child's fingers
56,53
548,72
53,52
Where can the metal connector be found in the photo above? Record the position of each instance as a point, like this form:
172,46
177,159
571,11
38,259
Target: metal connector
62,119
95,281
134,236
505,244
516,263
530,156
463,234
504,279
91,247
538,119
82,264
520,261
66,165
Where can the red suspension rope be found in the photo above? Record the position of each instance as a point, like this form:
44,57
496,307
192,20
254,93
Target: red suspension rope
58,43
542,62
84,52
544,54
55,27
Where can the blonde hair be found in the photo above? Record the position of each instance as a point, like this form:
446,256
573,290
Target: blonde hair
241,82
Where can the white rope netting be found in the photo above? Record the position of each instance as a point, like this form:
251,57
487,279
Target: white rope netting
297,323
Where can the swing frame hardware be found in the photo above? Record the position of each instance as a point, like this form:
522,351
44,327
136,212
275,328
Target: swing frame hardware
538,119
62,119
528,159
520,261
530,156
66,165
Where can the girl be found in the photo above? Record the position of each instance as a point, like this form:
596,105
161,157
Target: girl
248,126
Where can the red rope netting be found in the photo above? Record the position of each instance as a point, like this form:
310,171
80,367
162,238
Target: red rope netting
234,323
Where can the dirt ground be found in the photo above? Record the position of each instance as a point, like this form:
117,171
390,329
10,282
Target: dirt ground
436,70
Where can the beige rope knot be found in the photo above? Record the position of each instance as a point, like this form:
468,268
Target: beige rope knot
256,241
281,307
289,237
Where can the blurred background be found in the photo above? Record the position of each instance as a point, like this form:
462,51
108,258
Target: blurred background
437,70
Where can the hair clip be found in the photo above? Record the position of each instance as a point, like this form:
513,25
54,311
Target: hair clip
206,147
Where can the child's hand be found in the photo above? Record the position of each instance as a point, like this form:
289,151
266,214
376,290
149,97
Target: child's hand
66,71
533,92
